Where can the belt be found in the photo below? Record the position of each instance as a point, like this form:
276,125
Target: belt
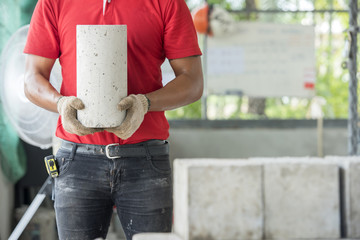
151,147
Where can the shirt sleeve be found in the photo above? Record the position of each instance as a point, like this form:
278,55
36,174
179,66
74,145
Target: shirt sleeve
43,38
180,38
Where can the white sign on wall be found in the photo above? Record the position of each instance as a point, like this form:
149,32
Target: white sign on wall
261,59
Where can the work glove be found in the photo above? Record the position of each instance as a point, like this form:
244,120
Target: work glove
136,107
67,108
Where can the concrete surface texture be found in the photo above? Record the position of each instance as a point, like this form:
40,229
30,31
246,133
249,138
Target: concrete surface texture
263,141
101,73
352,205
156,236
350,197
301,200
267,198
218,200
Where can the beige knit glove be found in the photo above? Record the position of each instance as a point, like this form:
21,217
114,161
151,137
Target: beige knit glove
136,107
67,108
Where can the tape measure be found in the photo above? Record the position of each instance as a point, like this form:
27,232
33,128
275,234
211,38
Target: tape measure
51,167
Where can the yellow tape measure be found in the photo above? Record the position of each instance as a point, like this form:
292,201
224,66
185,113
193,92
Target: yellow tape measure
51,167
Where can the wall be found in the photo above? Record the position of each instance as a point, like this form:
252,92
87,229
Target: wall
261,138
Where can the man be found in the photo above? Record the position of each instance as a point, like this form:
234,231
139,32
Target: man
126,166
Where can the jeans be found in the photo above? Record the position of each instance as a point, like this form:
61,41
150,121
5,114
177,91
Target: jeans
89,186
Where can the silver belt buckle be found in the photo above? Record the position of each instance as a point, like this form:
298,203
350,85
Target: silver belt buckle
107,150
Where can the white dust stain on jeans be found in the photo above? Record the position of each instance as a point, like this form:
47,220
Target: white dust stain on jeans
64,187
162,182
128,227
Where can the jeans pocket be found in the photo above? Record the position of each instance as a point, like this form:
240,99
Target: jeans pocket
161,164
63,162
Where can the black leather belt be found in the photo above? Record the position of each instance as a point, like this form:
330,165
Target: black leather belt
151,147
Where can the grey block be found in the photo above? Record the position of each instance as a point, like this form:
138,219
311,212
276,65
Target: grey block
218,199
353,200
301,199
156,236
311,239
350,193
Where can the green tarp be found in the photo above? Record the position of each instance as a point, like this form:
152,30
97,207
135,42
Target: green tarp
13,15
12,153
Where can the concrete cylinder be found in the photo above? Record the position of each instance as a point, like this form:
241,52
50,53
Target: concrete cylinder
101,58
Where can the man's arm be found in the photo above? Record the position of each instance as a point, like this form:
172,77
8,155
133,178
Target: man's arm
40,92
37,86
186,88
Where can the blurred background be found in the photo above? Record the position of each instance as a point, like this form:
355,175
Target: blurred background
281,80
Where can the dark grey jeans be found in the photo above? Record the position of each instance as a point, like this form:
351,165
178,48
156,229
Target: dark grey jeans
89,185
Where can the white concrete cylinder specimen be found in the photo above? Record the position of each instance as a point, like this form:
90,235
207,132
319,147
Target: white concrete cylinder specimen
101,58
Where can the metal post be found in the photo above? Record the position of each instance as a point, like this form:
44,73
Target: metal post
205,93
353,85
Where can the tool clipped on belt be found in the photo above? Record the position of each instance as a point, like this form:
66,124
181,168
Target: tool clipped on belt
51,167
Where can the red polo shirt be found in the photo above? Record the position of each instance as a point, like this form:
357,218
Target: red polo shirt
156,29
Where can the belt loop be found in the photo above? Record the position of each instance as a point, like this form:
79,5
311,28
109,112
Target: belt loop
73,151
148,155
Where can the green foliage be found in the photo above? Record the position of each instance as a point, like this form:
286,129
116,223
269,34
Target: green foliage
331,79
191,111
224,4
287,108
332,86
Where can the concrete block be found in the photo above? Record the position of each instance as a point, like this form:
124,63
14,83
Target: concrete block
352,203
101,60
218,199
350,182
156,236
301,199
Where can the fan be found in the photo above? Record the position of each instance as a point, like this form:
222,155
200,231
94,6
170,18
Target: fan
34,125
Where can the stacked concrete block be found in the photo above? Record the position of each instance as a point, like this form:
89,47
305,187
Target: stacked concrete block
156,236
218,199
352,204
269,198
301,199
350,183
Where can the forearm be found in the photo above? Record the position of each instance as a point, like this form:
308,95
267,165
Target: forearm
186,88
37,87
40,92
181,91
